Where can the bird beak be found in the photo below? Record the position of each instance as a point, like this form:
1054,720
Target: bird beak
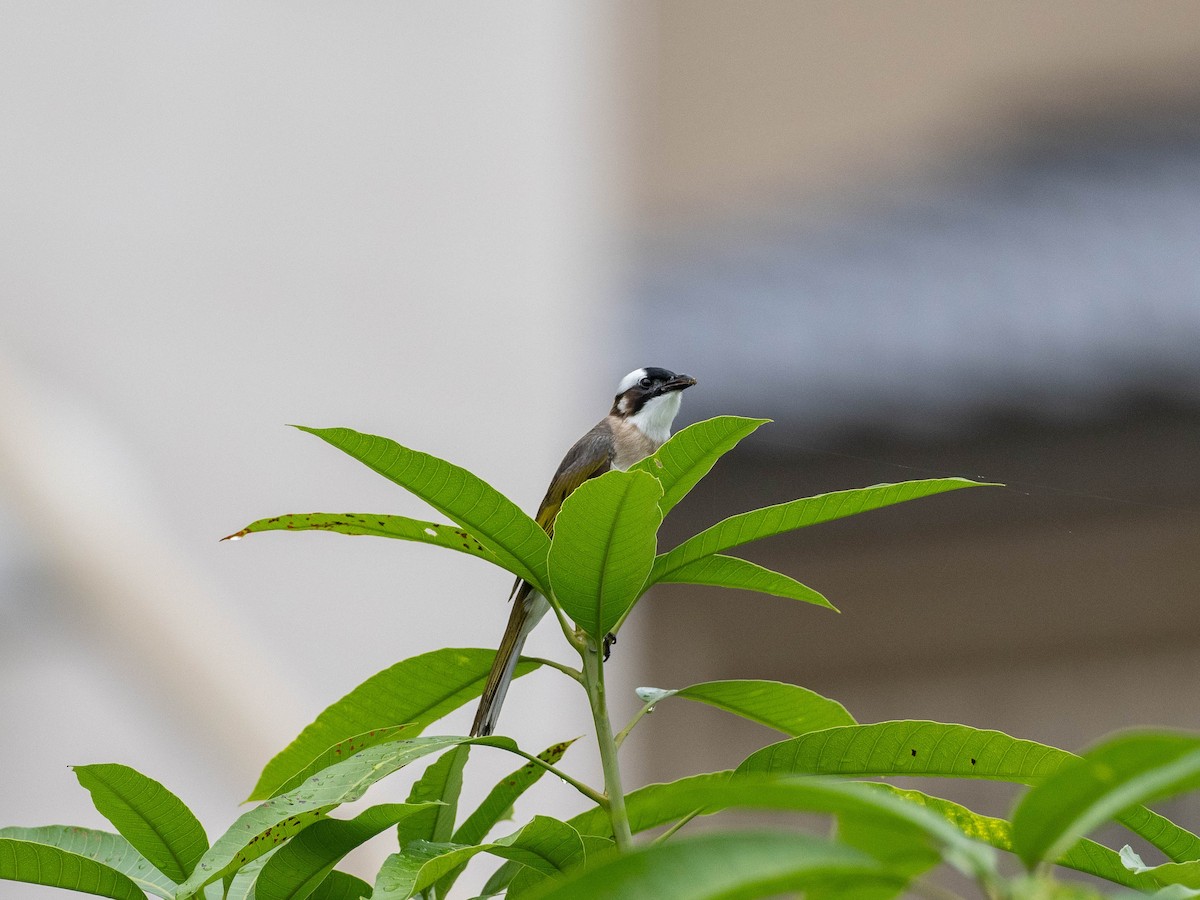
678,383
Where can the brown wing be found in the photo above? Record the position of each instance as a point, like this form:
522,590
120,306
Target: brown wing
591,456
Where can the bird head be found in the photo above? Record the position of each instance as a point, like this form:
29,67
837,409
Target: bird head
649,398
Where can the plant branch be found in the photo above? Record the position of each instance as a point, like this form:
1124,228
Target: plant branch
591,793
593,677
573,674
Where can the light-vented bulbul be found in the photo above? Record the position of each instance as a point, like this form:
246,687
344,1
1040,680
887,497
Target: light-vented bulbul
639,423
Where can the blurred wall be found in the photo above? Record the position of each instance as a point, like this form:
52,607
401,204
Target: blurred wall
222,218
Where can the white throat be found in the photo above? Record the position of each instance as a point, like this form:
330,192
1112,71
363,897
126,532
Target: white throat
656,415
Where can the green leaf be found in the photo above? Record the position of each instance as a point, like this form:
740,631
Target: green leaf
604,541
497,804
110,849
298,867
1186,874
376,524
36,863
518,542
151,818
1086,856
340,886
690,454
440,786
785,707
719,570
545,844
1116,775
946,751
902,820
283,817
725,865
417,691
771,520
243,884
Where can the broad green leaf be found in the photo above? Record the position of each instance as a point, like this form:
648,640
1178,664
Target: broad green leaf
846,800
283,817
110,849
377,524
1113,777
947,751
417,691
497,804
650,806
340,886
544,844
36,863
439,786
785,707
690,454
719,570
1086,856
604,541
770,520
151,818
724,865
298,867
518,542
344,750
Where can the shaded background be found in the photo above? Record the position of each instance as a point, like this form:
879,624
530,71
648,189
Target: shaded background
926,238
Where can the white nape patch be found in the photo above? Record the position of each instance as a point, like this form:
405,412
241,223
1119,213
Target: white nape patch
656,415
630,380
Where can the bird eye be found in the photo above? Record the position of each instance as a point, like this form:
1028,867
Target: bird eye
646,382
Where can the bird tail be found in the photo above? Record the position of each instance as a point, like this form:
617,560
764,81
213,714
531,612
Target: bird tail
528,609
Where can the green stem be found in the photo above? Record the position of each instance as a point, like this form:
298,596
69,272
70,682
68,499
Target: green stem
574,674
593,681
670,832
591,793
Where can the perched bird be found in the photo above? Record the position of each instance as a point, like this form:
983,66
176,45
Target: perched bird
637,425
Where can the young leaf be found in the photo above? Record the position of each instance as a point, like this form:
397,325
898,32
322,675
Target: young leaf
43,864
1086,856
151,818
785,707
417,691
440,786
690,454
518,542
545,844
242,885
946,751
719,570
110,849
1110,778
377,524
731,864
604,541
770,520
283,817
297,868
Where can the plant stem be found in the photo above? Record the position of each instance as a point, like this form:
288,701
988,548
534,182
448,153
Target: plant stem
593,681
646,709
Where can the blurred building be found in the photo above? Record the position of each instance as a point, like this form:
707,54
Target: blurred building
935,239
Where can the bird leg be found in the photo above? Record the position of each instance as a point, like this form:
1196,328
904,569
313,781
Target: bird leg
609,640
